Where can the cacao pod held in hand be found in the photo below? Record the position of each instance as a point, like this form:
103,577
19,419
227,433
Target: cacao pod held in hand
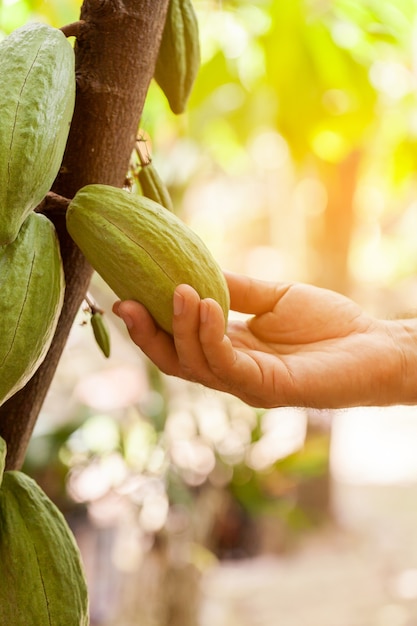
142,250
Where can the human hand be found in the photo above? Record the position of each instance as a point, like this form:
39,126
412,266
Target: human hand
302,346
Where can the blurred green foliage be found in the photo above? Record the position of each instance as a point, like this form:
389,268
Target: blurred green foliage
15,13
329,76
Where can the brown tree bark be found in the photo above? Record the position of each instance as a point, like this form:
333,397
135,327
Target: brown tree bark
116,49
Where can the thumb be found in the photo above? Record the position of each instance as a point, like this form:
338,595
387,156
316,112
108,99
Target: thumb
250,295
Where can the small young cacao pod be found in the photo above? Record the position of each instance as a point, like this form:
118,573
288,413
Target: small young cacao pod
42,577
37,98
101,332
142,251
178,58
3,450
31,297
153,187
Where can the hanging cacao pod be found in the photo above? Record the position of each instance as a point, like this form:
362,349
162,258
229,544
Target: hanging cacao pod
101,332
142,251
3,450
153,187
42,577
178,58
37,98
31,297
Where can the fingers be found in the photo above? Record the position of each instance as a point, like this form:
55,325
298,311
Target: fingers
249,295
186,328
216,346
199,349
197,326
181,355
153,341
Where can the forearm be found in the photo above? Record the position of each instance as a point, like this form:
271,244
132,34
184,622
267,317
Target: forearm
398,383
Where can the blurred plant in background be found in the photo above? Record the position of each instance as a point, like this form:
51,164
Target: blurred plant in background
296,161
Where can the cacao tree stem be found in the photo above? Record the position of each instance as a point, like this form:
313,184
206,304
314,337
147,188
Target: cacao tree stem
116,50
73,29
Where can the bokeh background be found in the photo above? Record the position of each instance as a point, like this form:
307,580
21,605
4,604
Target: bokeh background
296,160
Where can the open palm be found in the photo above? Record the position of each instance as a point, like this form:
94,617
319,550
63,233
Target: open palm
299,346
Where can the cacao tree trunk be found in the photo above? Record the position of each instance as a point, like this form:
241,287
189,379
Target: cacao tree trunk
116,49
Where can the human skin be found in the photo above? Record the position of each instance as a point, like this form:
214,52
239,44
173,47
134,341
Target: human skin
299,345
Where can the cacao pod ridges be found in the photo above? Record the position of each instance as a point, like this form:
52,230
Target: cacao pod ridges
37,98
32,292
178,58
142,251
42,577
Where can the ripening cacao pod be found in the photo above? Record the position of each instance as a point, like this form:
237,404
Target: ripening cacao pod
37,98
31,297
42,577
142,251
178,58
153,187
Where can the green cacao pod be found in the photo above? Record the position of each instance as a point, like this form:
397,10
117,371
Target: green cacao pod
42,577
37,98
31,296
153,186
142,250
3,450
101,333
178,58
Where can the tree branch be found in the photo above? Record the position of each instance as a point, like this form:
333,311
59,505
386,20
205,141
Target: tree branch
73,29
116,49
53,204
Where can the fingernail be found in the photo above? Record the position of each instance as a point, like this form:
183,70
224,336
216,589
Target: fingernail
178,303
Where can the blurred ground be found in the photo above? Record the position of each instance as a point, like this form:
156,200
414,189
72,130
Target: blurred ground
335,580
360,570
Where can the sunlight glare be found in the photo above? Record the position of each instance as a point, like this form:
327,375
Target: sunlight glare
194,455
374,445
92,482
284,432
311,196
112,388
346,34
154,512
269,150
329,145
392,79
406,584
